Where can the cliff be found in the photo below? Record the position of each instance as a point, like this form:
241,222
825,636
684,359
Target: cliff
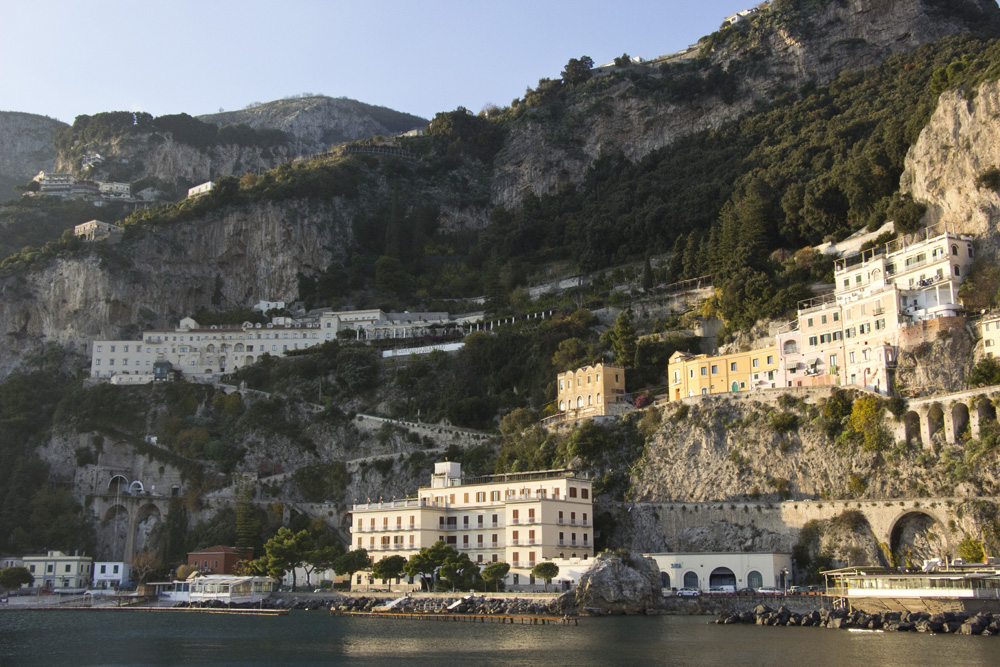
155,277
25,148
948,167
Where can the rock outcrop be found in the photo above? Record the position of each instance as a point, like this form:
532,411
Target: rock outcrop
26,147
959,145
619,583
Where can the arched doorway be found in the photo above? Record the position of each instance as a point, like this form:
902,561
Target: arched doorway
690,580
986,412
664,580
722,576
754,579
736,386
118,485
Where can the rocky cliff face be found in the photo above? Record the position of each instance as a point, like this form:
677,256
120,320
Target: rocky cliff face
319,121
619,584
25,148
542,157
958,146
157,277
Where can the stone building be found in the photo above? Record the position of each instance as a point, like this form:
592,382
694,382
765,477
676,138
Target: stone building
95,230
591,391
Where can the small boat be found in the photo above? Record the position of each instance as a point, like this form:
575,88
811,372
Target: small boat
865,630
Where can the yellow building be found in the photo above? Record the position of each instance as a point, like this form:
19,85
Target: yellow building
703,374
591,391
519,518
989,331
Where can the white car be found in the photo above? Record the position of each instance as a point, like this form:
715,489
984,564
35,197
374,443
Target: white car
768,590
688,592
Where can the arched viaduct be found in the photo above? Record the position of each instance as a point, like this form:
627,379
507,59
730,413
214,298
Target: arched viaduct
949,415
125,513
885,517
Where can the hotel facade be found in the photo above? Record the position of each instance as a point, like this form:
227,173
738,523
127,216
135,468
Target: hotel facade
518,518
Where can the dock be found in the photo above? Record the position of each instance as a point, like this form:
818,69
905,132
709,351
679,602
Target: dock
465,618
163,610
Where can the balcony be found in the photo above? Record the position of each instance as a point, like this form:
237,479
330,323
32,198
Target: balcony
573,543
515,563
531,563
515,522
572,522
562,543
531,543
515,543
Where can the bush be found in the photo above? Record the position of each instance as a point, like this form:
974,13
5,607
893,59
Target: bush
784,422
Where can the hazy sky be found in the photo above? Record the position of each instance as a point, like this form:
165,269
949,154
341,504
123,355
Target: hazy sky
63,58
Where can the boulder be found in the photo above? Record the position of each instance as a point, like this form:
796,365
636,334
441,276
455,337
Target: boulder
619,583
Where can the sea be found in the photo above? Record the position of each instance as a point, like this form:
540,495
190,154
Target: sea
316,638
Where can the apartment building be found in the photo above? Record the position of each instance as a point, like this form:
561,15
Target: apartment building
703,374
989,332
852,335
591,391
201,189
55,570
519,518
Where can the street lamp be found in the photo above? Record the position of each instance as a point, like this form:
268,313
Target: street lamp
784,579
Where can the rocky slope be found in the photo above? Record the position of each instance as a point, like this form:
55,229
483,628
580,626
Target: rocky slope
542,157
25,148
319,121
958,146
165,274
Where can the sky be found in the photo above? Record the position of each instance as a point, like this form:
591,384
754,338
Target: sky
64,58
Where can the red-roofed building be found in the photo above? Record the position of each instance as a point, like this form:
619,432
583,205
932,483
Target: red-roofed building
219,559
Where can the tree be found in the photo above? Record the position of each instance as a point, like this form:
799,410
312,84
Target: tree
390,276
573,353
320,558
546,570
459,571
144,563
622,340
866,419
247,525
351,562
578,71
184,571
624,60
495,572
984,374
647,275
15,577
285,551
425,562
971,551
389,568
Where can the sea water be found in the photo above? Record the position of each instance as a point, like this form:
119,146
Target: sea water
316,638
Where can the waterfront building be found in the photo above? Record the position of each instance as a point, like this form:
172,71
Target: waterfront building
940,587
56,571
228,589
110,575
219,559
519,518
703,374
704,570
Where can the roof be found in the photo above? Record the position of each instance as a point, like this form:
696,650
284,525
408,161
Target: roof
219,549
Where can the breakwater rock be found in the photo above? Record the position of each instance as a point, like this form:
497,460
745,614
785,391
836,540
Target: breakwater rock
949,622
618,583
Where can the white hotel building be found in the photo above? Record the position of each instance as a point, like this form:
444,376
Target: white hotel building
518,518
207,352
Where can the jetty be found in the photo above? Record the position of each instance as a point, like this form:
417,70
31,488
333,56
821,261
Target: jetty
465,618
163,610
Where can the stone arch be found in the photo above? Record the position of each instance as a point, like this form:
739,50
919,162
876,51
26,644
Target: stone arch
986,412
935,419
136,487
915,535
691,579
911,426
755,579
118,484
722,576
959,420
113,532
789,347
113,512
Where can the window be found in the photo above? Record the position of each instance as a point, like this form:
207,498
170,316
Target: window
809,322
812,342
836,317
954,250
822,319
704,371
715,369
756,363
833,360
572,492
732,367
584,493
770,360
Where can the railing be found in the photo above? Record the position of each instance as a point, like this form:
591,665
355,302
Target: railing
515,563
515,543
561,543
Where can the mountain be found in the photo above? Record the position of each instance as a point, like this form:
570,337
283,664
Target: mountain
319,122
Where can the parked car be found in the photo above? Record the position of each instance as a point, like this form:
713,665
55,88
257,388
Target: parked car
746,591
721,590
688,592
799,590
768,590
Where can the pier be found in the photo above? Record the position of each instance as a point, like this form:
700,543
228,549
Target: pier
466,618
165,610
